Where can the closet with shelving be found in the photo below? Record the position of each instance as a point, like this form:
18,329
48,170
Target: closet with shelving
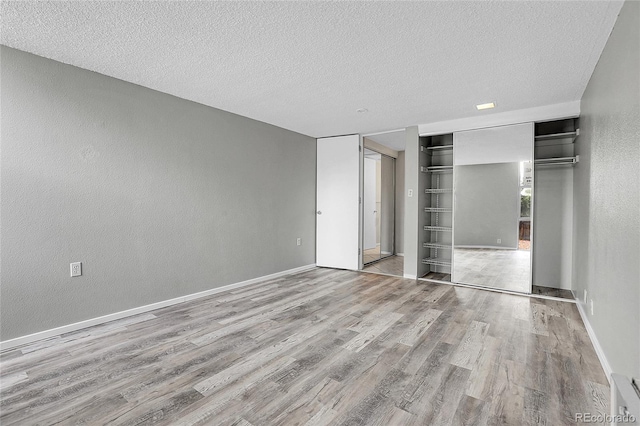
436,167
551,205
554,154
554,142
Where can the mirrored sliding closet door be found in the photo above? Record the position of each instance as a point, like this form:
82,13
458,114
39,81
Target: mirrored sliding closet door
493,205
378,206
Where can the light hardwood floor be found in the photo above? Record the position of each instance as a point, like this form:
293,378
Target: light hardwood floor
439,276
392,265
371,255
320,347
505,269
553,292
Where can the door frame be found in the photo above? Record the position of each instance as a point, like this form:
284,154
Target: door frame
361,206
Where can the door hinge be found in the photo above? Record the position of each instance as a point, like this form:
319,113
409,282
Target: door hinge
358,251
359,200
359,148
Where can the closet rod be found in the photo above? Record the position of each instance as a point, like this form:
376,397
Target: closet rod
556,161
436,169
436,148
563,135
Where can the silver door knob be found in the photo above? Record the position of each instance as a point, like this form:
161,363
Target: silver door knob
319,212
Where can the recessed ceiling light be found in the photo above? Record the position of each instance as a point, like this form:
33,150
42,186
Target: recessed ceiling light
486,106
361,110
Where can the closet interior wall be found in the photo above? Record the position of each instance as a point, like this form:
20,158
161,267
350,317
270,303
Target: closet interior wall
553,194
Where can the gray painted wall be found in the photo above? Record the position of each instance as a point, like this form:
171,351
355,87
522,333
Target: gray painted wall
158,197
486,205
607,199
400,194
413,218
552,227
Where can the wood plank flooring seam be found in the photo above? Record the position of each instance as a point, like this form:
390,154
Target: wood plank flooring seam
319,347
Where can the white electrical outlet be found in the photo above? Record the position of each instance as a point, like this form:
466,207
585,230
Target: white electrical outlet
499,241
299,241
591,306
410,193
76,269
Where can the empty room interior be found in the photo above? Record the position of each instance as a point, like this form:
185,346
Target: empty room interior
319,213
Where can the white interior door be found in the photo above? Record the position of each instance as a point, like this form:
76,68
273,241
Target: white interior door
369,202
338,202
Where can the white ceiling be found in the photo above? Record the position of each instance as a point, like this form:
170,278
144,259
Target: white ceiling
308,66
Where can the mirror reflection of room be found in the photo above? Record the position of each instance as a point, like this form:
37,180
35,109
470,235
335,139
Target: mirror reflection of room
378,206
493,180
371,205
491,236
380,219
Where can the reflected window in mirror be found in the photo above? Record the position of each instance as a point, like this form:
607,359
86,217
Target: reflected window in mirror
524,228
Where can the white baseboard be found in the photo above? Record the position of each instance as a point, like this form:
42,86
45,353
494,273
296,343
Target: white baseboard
411,277
30,338
400,254
594,339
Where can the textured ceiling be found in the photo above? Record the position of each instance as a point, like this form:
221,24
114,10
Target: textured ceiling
308,66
